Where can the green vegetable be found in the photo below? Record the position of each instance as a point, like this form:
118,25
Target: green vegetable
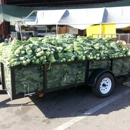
60,48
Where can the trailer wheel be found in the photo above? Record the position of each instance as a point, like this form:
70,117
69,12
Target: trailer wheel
104,85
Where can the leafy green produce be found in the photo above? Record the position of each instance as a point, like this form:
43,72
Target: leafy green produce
70,74
121,66
7,78
28,80
95,64
60,48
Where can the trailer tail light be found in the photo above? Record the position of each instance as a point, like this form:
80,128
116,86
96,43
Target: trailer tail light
41,95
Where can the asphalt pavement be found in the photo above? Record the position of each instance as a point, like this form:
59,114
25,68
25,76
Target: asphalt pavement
72,109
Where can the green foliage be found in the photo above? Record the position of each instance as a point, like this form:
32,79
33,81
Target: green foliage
60,48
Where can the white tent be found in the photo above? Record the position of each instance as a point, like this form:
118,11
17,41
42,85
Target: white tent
118,15
82,18
49,17
77,18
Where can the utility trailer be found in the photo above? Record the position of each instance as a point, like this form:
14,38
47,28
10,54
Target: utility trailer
22,81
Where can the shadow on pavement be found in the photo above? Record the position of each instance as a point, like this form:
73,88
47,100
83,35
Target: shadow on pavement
4,104
69,103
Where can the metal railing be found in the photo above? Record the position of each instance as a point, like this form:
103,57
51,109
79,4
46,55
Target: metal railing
119,36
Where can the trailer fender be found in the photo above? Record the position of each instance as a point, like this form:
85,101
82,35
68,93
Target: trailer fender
96,74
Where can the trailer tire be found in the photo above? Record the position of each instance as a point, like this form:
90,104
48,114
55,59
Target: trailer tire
104,85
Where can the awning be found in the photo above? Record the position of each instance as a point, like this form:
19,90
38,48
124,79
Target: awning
77,18
81,18
49,17
118,15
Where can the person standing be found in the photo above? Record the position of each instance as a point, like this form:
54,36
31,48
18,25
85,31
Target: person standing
10,39
6,39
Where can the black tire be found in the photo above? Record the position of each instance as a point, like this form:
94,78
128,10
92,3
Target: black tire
104,85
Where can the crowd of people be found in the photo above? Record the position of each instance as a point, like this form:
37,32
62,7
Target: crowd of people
9,38
6,39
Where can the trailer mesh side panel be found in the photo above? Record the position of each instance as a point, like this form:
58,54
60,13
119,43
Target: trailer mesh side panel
99,64
28,79
65,74
7,77
121,66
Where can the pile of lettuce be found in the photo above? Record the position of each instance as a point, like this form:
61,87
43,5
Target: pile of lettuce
70,74
60,48
121,66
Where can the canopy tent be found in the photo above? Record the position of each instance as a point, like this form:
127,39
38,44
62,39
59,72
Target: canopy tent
82,18
118,15
77,18
17,13
49,17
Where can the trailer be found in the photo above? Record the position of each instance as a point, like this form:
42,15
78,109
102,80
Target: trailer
30,80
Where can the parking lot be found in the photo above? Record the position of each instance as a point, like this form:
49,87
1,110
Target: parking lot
72,109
